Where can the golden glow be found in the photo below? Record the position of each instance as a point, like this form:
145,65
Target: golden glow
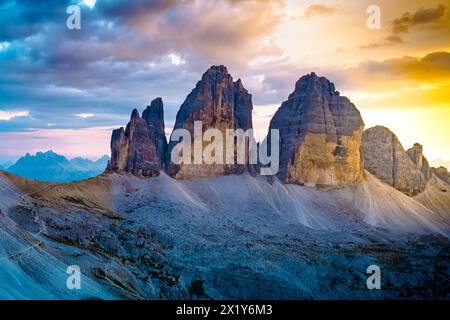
428,126
392,85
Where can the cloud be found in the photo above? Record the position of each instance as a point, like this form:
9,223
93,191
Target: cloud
400,83
11,114
21,19
89,3
432,67
4,45
237,38
128,10
125,54
176,59
129,52
388,41
319,9
85,115
430,19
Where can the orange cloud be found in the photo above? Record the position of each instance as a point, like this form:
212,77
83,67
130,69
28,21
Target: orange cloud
319,9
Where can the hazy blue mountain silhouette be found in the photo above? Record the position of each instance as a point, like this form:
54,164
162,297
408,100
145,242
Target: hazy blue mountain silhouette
6,165
52,167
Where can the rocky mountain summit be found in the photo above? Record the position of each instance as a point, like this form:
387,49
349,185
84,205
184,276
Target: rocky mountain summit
140,148
235,235
320,135
220,103
384,156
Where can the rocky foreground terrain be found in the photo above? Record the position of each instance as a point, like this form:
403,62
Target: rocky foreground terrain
344,199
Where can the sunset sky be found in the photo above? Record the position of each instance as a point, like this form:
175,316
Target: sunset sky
66,90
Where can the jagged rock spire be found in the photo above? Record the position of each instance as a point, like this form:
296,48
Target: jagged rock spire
140,148
218,103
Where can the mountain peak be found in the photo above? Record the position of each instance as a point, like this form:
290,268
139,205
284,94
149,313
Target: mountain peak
140,148
218,103
154,113
103,158
135,114
311,83
217,69
216,74
320,135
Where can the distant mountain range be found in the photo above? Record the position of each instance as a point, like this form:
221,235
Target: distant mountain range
6,164
52,167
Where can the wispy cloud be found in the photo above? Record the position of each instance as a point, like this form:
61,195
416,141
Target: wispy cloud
319,9
85,115
429,17
89,3
11,114
176,59
4,45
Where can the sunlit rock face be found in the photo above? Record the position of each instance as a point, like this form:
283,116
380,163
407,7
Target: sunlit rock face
442,173
218,103
416,155
320,135
140,148
385,157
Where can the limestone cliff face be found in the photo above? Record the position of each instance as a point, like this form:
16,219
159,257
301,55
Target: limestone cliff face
416,155
154,116
442,173
140,148
385,157
320,135
218,103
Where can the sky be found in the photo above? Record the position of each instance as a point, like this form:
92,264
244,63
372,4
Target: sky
65,90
